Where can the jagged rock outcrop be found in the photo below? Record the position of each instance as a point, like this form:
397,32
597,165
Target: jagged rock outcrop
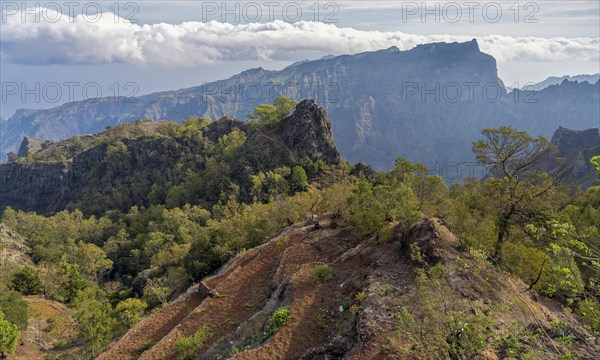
306,133
29,145
122,174
575,148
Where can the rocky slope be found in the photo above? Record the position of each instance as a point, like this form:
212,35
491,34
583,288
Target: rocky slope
427,104
123,171
356,312
13,248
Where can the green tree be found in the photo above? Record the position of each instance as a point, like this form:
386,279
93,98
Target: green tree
511,156
277,319
265,114
398,202
94,320
156,288
74,282
15,309
596,162
93,261
130,311
367,214
196,122
425,187
9,335
27,281
299,180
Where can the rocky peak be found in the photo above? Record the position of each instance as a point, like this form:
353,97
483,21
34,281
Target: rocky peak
575,148
308,133
29,145
567,140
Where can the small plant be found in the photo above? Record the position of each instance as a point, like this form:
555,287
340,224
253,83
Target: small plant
322,272
233,351
61,343
388,289
146,345
248,305
558,325
404,320
511,345
360,296
345,304
278,319
569,356
282,242
354,309
466,243
565,340
187,346
263,297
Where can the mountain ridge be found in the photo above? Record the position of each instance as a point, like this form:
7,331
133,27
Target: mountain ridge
381,103
114,166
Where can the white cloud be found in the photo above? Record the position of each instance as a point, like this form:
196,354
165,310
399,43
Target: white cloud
78,41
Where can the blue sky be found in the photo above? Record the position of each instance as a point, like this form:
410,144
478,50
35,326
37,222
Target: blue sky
52,58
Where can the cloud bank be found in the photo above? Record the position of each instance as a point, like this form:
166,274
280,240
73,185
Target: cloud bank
79,41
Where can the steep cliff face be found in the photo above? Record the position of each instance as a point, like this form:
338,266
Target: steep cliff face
136,171
36,186
427,104
575,148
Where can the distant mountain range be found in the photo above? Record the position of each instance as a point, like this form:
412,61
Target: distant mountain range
556,80
427,104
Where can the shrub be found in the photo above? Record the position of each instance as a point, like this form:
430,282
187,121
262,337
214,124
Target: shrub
130,311
15,309
322,272
278,319
187,346
589,310
9,335
27,281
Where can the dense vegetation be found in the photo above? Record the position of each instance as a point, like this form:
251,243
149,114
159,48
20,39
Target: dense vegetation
113,268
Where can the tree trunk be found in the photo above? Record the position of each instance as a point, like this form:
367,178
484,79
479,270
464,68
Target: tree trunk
539,274
502,228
